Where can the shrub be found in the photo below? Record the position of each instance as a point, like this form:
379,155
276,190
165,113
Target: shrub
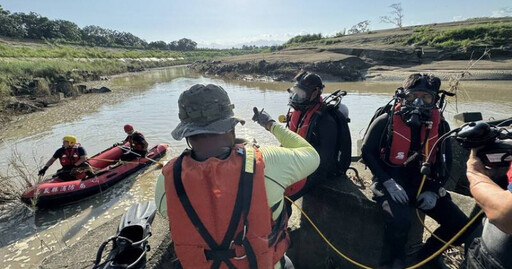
493,34
304,38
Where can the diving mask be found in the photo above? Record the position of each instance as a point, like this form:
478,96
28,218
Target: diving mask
420,99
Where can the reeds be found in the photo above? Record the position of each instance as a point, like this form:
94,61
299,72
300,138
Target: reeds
17,178
454,84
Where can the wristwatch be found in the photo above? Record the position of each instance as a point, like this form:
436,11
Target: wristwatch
442,192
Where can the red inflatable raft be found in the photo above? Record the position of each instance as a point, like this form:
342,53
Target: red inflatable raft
55,191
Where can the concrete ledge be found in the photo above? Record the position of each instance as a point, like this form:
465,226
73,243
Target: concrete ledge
353,223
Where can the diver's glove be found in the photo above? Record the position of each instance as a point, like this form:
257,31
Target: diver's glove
263,118
396,191
42,171
427,200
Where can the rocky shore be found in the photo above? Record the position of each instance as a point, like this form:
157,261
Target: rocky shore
354,62
31,95
388,54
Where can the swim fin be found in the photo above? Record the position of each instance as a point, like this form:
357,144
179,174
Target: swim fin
131,242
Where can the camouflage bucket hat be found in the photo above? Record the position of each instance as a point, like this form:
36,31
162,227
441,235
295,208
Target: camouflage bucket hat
205,109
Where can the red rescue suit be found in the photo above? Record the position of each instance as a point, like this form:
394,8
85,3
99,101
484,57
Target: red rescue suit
218,212
401,138
70,156
299,122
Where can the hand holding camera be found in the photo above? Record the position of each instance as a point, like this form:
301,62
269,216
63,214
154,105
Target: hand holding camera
494,144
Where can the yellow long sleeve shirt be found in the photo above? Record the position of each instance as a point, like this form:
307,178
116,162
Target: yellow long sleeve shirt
285,165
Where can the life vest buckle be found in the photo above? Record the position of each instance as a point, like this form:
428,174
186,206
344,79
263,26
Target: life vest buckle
236,257
239,242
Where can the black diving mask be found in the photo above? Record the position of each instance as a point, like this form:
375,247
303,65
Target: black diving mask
299,98
417,106
419,99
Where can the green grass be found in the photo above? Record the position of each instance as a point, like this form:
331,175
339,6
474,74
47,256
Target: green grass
66,51
490,34
29,60
50,68
4,87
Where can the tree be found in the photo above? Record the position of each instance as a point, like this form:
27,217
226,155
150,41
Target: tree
186,44
183,44
361,27
128,40
9,25
173,45
69,31
159,45
396,17
35,25
96,35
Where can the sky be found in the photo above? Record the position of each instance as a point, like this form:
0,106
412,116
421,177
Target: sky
232,22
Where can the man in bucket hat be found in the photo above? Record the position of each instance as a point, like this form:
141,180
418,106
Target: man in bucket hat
224,200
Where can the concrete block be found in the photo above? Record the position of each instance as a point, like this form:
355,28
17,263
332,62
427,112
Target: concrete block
351,221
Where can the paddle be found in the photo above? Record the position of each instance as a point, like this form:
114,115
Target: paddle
159,164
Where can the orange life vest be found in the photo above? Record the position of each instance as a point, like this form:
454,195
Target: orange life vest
70,156
134,144
219,217
299,122
401,139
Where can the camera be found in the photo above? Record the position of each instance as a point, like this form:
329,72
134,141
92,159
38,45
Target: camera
495,142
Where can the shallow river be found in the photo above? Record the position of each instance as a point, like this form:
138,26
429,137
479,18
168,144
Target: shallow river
148,100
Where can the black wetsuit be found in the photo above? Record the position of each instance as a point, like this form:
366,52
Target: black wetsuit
398,216
323,138
138,150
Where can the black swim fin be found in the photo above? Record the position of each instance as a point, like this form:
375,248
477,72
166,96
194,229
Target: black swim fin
131,242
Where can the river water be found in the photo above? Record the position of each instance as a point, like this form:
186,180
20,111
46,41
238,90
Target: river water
148,100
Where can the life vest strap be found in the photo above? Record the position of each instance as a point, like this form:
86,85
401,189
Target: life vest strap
278,227
219,254
247,183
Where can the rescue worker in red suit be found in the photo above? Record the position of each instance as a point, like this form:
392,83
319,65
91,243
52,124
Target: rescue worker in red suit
307,110
224,200
394,148
73,159
138,144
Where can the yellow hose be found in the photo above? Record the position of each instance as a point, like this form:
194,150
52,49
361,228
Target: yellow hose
446,245
324,238
418,195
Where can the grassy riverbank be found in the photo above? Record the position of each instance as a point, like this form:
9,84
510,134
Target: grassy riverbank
447,49
30,59
490,32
